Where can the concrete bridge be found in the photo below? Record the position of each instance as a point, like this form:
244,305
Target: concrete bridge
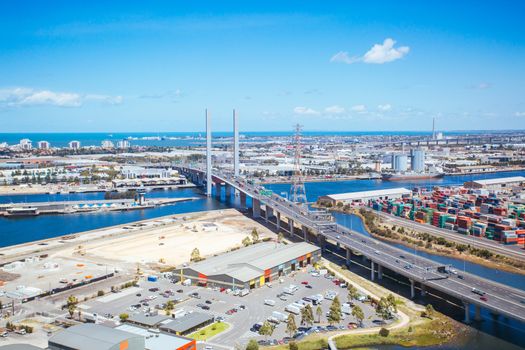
493,139
319,227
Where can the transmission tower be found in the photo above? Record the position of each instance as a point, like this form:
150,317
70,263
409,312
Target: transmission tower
298,192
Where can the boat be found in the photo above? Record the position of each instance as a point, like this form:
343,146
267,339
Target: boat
22,211
410,176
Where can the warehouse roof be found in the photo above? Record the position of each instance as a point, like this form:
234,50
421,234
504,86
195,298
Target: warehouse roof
187,322
90,336
502,180
250,262
368,194
19,347
149,321
157,340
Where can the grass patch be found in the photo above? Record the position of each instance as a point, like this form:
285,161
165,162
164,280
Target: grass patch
427,333
209,331
312,342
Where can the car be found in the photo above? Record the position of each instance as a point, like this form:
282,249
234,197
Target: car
484,298
338,236
205,307
308,286
461,277
376,251
402,257
208,301
364,241
242,307
304,282
138,295
208,347
180,291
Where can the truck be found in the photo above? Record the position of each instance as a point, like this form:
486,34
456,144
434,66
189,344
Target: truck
187,282
269,302
279,316
346,308
291,289
293,309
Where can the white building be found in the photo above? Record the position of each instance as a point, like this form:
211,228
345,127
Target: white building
74,145
43,145
123,144
26,144
107,144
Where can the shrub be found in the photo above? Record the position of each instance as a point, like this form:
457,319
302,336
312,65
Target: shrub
293,346
384,332
100,293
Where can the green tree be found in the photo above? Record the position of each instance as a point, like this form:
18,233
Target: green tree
359,315
195,255
266,329
352,292
293,346
71,305
429,311
383,309
280,237
392,302
252,345
291,326
334,314
246,241
255,235
319,313
170,305
307,315
123,317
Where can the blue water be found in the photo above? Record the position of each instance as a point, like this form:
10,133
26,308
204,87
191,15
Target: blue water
197,138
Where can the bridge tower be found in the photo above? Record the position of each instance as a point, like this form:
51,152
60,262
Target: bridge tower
208,153
298,191
236,149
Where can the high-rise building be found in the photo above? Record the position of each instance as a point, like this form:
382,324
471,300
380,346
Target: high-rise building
43,145
74,145
107,144
26,144
123,144
417,161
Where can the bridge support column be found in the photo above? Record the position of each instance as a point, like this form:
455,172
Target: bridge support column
218,190
208,154
379,272
291,226
243,199
256,209
412,289
268,212
477,313
372,272
228,191
423,290
278,221
467,312
322,242
305,233
348,256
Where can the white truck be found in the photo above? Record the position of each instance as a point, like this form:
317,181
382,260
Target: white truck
291,289
293,309
187,282
269,302
346,308
279,316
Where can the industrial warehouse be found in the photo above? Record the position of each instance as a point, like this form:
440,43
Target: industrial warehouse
251,267
365,196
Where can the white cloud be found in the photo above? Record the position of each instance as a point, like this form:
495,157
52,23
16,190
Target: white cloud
335,109
359,108
519,114
378,54
20,97
481,86
385,107
305,111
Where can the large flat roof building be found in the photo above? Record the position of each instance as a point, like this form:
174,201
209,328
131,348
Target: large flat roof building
252,266
90,336
363,196
160,341
188,323
499,183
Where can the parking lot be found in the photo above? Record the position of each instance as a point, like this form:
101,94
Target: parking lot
242,313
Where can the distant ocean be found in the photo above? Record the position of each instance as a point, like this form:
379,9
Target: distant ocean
172,139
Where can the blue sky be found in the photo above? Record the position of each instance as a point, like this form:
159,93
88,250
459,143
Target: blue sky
329,65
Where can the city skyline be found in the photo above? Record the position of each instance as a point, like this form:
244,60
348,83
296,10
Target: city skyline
352,67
